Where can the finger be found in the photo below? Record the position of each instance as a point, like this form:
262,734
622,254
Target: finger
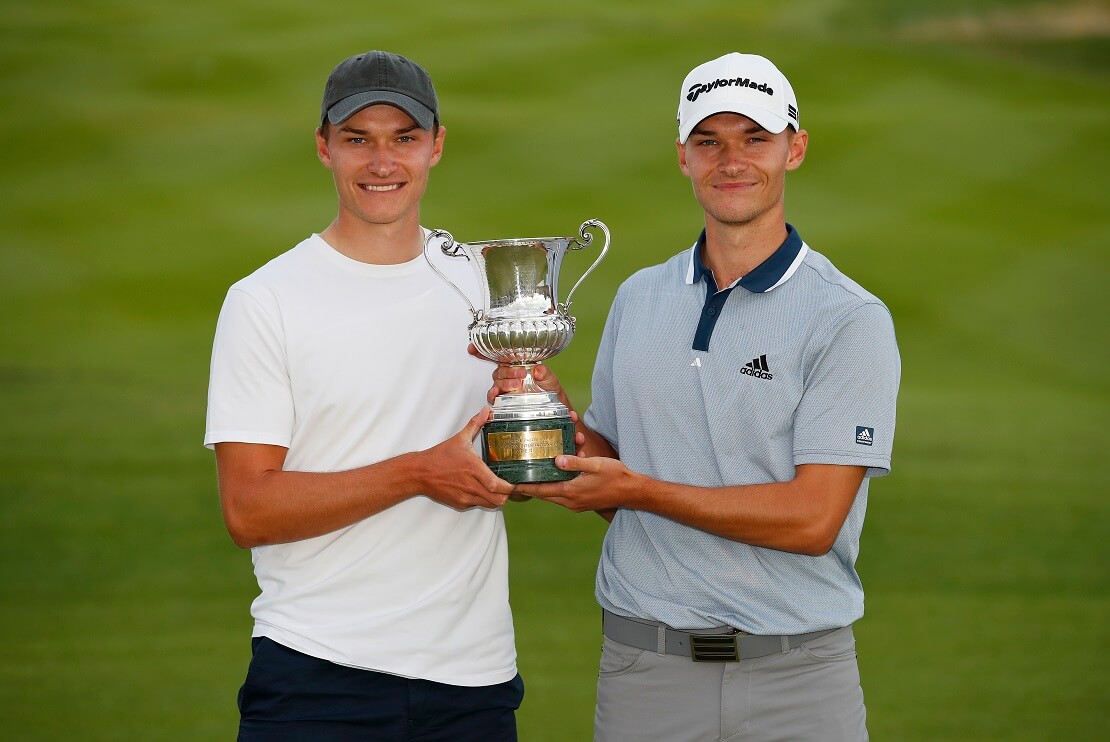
580,438
492,394
498,501
504,371
575,463
543,373
500,486
508,378
473,350
540,491
483,498
475,424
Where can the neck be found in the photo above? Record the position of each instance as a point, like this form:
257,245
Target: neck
379,244
734,250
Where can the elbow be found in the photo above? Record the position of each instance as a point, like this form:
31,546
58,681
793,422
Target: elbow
244,532
818,539
825,541
243,539
817,548
241,535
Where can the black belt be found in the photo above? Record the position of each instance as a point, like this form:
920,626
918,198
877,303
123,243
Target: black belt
723,644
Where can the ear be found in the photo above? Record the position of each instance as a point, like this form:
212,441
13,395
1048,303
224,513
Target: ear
797,151
437,145
322,149
682,158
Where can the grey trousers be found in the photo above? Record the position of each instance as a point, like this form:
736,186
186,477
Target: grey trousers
811,692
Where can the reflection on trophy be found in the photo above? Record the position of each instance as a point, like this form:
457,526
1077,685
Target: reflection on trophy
522,324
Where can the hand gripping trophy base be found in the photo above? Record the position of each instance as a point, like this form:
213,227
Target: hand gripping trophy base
527,431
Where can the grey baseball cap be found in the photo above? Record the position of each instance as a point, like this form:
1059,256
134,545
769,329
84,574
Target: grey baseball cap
379,77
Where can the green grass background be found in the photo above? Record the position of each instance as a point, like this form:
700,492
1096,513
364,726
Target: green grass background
155,152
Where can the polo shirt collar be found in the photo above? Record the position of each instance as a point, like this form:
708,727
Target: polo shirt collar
767,276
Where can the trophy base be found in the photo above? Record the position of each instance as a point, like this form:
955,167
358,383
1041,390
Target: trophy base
524,451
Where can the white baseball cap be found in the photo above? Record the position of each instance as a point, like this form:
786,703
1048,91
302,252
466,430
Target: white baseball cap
747,84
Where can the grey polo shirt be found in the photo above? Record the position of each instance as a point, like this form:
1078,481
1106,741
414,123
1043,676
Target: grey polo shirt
794,363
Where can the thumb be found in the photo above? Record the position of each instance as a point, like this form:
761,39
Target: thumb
542,373
474,425
575,463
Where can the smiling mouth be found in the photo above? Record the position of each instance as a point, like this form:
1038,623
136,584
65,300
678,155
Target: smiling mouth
380,188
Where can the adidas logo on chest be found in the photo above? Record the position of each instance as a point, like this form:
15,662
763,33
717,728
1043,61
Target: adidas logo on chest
758,368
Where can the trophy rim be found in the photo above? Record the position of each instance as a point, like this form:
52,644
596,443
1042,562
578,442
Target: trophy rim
515,241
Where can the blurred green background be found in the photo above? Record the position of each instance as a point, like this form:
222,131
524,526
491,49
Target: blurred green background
153,153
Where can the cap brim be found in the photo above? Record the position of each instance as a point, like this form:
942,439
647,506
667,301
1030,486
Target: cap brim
352,104
769,120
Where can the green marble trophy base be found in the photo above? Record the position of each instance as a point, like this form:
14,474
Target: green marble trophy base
524,451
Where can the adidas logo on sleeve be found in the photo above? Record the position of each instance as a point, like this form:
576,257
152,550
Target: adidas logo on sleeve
757,368
865,436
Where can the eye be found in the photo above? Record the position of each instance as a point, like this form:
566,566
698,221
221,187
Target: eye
405,138
706,142
356,140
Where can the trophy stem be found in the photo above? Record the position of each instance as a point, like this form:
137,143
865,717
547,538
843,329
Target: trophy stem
530,386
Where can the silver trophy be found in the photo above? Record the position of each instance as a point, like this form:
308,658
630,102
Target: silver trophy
522,323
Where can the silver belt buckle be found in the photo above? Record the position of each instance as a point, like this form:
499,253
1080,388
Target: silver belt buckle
715,647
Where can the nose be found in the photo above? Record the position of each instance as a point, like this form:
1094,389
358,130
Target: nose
733,162
381,162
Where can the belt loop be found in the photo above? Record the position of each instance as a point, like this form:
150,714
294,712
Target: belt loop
785,640
661,640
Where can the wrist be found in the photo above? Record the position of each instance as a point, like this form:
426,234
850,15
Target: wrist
409,473
637,491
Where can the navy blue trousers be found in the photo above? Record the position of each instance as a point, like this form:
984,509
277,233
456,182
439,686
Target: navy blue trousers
289,696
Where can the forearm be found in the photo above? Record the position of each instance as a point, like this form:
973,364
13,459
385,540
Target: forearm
803,515
264,504
279,506
760,515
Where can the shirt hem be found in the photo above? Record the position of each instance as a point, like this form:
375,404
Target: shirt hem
240,436
877,465
467,681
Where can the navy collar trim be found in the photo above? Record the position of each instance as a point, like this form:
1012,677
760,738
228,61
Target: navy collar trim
768,275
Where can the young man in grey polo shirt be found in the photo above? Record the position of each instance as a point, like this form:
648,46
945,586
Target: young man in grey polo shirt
749,388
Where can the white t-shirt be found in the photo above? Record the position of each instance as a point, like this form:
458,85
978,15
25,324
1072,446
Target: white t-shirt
346,364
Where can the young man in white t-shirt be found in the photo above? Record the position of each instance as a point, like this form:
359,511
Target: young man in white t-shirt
345,455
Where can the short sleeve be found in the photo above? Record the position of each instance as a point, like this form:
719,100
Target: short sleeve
249,395
847,411
601,417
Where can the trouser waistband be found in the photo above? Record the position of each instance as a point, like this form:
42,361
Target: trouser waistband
723,644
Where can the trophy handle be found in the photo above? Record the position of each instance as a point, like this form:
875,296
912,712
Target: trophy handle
577,243
451,250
